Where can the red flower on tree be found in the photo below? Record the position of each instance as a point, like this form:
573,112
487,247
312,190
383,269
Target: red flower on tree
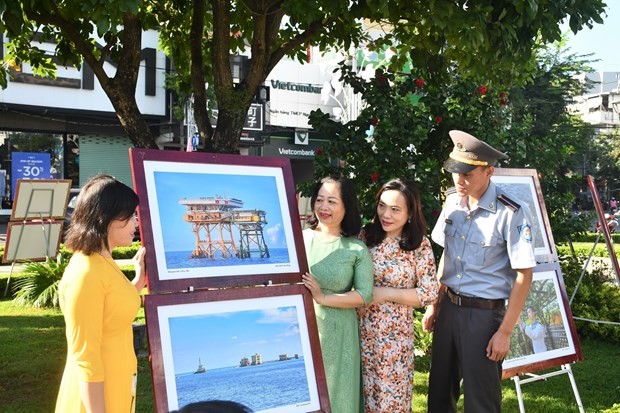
419,82
482,90
318,152
438,119
374,122
374,177
502,95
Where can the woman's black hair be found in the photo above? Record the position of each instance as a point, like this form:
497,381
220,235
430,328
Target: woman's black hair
101,200
415,228
214,406
352,221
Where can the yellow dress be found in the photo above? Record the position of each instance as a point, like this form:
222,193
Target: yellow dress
99,305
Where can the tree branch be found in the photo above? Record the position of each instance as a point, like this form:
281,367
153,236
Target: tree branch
314,28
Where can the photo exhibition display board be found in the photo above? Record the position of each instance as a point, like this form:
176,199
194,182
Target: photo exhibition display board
214,220
37,217
41,198
226,316
256,346
32,241
523,185
545,335
549,339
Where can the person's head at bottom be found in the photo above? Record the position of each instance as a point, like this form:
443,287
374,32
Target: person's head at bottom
214,406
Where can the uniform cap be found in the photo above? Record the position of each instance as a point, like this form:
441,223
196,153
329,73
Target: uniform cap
470,153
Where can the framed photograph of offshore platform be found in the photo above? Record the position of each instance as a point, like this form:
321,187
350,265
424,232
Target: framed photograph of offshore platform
217,220
545,335
524,186
255,346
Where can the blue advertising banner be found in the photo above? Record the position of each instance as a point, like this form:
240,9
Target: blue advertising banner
29,165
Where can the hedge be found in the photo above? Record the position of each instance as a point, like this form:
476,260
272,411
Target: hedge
591,237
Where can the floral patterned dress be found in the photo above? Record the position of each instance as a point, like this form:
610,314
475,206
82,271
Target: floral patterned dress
386,330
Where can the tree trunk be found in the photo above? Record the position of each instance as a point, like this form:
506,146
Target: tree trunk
130,117
121,89
229,127
198,78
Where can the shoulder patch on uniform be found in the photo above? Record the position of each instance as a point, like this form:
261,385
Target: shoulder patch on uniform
526,232
508,203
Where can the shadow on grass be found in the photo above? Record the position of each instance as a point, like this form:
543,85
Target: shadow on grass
31,361
597,378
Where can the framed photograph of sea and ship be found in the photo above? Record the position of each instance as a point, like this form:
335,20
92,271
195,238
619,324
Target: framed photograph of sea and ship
256,346
524,186
217,220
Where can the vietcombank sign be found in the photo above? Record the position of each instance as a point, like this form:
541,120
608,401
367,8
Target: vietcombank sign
296,87
283,147
296,152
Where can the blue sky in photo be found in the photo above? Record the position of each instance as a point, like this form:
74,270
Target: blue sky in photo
257,192
221,340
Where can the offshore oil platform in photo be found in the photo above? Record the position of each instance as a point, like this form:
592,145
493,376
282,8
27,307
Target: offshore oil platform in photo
213,219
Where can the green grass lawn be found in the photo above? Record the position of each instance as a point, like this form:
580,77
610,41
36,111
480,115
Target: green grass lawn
33,349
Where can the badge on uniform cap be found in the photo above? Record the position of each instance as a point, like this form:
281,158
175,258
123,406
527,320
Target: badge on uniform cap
526,232
459,145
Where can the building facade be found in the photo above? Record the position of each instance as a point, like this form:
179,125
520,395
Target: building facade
72,119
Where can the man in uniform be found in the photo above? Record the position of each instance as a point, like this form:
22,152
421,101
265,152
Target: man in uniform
488,258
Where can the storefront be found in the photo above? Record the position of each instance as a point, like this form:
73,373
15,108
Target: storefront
71,120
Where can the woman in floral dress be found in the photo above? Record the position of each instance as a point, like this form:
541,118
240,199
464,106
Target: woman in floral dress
404,278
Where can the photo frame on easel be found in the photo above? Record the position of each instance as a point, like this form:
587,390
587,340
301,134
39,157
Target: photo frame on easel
545,335
217,220
32,241
256,346
523,184
40,198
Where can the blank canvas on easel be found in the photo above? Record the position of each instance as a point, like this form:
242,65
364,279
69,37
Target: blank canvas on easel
32,241
41,198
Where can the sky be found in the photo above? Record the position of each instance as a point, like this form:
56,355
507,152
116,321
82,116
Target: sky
221,340
257,192
601,40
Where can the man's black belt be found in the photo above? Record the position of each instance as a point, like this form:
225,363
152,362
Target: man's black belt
475,302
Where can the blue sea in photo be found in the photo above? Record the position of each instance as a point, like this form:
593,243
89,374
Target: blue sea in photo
181,259
265,386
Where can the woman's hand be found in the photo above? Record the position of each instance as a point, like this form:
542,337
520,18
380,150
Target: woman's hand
380,295
314,287
138,262
428,321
